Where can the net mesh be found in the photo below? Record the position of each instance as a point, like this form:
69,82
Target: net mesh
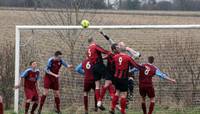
176,52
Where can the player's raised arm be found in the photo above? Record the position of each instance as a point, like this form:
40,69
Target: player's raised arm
133,53
133,63
164,76
102,50
79,69
65,64
106,37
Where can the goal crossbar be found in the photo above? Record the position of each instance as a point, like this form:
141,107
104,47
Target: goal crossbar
57,27
50,27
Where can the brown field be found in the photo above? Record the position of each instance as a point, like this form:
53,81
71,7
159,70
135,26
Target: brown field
169,47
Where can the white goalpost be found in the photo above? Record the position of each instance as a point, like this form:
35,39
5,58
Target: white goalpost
51,27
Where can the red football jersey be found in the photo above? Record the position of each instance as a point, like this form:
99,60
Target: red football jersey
54,65
122,63
94,52
145,75
30,78
86,65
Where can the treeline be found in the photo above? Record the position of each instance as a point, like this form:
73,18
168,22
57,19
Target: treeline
84,4
186,5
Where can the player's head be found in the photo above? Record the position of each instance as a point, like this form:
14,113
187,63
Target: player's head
33,64
122,45
151,59
91,40
58,54
115,48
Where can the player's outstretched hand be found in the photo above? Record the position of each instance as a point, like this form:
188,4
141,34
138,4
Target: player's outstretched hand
173,81
57,76
101,31
70,66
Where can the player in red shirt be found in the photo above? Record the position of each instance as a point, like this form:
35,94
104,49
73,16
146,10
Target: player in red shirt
1,105
111,69
30,75
122,63
85,69
146,85
94,54
51,79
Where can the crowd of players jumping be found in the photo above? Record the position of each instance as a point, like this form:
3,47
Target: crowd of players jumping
117,74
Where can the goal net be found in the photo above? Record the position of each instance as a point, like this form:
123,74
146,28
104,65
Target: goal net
175,48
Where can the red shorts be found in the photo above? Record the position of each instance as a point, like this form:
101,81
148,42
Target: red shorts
88,85
149,91
51,82
31,93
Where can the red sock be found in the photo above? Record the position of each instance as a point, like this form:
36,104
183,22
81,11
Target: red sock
34,107
57,101
144,108
1,108
103,92
42,101
114,102
27,105
151,107
97,94
86,103
123,105
111,90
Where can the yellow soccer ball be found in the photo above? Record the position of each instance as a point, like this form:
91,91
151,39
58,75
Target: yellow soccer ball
85,23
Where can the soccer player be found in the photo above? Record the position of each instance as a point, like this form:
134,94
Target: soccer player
122,63
146,85
1,105
85,69
94,54
31,76
111,69
51,79
110,65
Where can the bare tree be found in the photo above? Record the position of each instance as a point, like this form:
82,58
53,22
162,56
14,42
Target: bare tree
72,14
7,73
182,61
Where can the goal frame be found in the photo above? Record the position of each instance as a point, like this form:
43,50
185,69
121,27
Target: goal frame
20,28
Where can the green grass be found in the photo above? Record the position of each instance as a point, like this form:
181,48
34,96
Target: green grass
158,110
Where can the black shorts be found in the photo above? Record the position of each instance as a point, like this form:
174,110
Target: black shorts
112,73
99,71
121,84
